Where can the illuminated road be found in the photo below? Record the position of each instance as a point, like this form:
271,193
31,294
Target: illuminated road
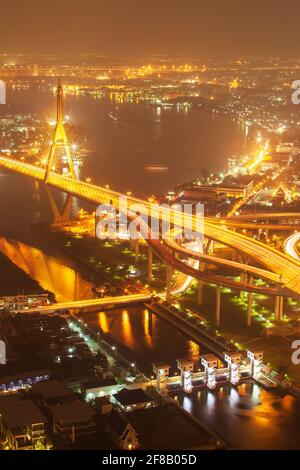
227,264
290,246
273,260
255,225
265,216
93,303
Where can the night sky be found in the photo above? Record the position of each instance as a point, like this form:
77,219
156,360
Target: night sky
231,27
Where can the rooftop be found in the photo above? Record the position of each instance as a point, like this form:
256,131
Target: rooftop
117,422
24,376
209,357
72,412
20,413
109,381
131,397
51,389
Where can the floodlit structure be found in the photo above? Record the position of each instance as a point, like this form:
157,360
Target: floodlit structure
186,366
59,139
256,360
210,363
233,360
59,142
161,370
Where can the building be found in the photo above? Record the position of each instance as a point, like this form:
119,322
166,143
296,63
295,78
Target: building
100,388
121,431
73,420
131,400
103,405
22,423
52,392
23,302
286,147
23,380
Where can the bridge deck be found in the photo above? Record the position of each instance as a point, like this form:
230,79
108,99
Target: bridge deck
273,260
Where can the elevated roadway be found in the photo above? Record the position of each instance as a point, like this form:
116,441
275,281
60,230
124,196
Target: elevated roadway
288,269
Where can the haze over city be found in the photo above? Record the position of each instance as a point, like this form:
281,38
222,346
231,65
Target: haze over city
141,27
149,229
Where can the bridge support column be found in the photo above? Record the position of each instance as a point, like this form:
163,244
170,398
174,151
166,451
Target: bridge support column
169,281
58,216
150,262
218,306
132,243
209,248
137,250
200,285
250,300
200,293
281,308
278,307
243,280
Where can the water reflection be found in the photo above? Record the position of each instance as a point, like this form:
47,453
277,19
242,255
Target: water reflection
51,275
142,337
247,416
148,319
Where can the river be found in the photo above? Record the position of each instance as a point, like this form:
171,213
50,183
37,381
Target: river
186,142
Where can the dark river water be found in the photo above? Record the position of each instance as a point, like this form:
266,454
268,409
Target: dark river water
186,143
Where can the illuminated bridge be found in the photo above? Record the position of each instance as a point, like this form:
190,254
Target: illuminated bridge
92,304
281,272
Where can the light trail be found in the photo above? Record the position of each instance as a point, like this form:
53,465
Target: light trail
290,246
288,269
81,304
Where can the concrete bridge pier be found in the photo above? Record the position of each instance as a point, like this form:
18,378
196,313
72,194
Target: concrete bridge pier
278,307
250,301
200,285
243,280
132,243
200,293
169,274
281,308
150,262
137,250
60,217
209,247
218,306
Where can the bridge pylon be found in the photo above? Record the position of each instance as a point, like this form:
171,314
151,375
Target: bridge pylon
59,139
